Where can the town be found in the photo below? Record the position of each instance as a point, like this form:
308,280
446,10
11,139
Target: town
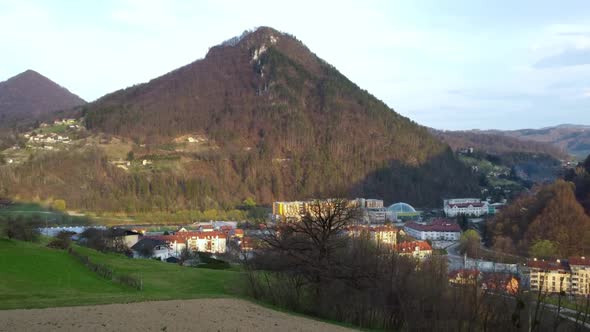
399,227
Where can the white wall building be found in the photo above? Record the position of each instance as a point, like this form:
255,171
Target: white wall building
465,206
438,230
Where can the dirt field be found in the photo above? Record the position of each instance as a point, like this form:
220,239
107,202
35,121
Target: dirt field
179,315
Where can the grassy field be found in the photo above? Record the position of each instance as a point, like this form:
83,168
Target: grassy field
33,276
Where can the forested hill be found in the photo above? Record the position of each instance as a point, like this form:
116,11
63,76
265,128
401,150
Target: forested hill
494,142
284,117
276,123
30,94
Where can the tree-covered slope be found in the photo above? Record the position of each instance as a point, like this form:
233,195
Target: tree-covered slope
281,124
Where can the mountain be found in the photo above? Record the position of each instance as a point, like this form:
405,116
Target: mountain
30,94
573,138
260,116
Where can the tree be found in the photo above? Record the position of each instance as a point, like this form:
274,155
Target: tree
543,249
22,229
463,222
309,245
59,205
562,220
470,242
249,202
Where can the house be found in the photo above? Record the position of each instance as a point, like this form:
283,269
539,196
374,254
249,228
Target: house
128,237
150,248
416,249
438,230
239,233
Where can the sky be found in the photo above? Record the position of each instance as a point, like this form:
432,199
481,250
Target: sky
445,64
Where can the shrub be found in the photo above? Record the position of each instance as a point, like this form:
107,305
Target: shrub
61,241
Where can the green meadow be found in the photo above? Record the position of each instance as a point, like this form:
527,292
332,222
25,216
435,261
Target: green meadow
33,276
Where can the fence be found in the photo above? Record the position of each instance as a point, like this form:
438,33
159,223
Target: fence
107,272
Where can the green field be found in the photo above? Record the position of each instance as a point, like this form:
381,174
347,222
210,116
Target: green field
33,276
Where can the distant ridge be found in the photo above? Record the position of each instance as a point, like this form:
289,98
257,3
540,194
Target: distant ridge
30,94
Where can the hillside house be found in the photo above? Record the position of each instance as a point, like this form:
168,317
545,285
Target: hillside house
151,248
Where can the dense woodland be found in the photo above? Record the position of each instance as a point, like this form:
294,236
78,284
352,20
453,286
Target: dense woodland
285,124
556,214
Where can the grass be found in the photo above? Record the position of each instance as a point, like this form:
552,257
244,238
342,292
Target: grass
36,277
33,276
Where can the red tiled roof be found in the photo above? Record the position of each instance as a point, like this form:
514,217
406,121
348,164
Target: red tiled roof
411,246
579,261
552,265
438,225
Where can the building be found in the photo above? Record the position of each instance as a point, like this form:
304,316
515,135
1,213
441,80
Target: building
437,230
580,275
285,211
549,276
384,235
151,248
401,212
372,210
416,249
465,206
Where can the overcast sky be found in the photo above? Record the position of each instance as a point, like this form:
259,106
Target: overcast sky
445,64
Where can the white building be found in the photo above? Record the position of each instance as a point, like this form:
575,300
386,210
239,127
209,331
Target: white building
438,230
465,206
212,242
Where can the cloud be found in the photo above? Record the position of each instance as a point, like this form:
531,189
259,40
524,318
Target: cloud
567,58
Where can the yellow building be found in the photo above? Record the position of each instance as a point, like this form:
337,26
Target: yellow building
293,211
385,235
550,276
580,280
